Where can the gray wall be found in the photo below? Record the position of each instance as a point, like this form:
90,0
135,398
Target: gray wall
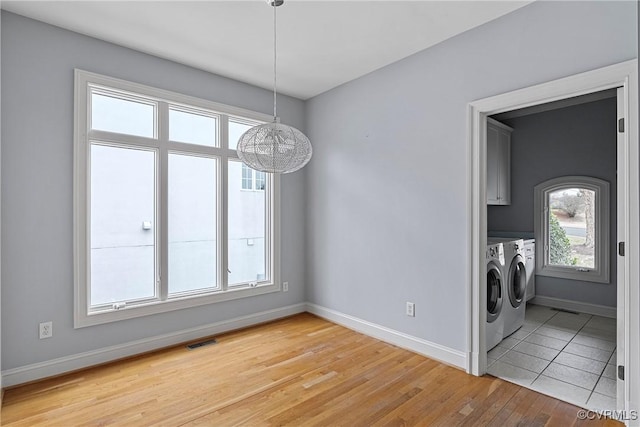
578,140
387,191
37,170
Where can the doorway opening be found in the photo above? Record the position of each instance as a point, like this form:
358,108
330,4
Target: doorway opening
624,77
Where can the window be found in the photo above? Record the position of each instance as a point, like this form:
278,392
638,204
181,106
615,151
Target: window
238,126
253,179
161,218
261,180
247,177
572,228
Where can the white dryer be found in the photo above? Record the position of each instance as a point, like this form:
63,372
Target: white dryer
515,283
496,294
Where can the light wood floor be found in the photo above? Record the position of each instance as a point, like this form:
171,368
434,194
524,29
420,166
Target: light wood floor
297,371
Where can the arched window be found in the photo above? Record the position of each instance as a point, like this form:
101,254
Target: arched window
572,228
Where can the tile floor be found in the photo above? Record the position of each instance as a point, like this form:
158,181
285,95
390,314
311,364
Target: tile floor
568,356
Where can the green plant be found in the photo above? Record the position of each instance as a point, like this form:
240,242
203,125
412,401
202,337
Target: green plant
559,244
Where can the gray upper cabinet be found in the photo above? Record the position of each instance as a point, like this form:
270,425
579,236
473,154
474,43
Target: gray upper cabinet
498,163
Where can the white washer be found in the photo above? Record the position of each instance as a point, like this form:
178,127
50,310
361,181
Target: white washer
496,295
515,279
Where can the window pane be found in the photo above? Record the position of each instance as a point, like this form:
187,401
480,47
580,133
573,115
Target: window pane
122,224
261,180
193,128
247,177
247,226
236,129
572,227
192,223
113,114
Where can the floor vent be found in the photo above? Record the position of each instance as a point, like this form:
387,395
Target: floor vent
565,310
201,344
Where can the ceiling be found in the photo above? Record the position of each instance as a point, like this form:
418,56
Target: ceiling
321,44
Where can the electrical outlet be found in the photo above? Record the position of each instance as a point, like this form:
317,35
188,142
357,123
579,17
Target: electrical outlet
285,286
46,330
411,309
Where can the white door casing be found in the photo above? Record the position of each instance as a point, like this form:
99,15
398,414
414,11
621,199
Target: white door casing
624,76
622,263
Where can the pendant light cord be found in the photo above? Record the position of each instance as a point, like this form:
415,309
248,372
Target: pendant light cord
275,105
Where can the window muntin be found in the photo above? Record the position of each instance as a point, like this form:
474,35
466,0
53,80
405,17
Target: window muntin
572,228
174,277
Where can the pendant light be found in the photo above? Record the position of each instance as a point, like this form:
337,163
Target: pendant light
274,147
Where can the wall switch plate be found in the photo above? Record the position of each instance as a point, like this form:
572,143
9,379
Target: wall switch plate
46,330
285,286
411,309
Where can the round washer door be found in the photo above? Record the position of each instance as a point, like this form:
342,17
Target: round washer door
517,283
494,291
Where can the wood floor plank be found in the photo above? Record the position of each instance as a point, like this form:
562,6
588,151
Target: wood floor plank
299,371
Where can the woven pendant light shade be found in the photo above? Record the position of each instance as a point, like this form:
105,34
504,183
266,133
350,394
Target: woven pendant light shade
274,148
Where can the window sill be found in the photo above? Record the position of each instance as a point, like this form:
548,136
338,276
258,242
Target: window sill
82,320
570,273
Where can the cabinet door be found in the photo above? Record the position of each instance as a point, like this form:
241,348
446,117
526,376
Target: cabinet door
493,165
498,163
504,169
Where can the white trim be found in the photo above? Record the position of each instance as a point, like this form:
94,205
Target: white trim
85,83
580,307
622,263
498,124
61,365
624,75
175,303
175,97
418,345
1,385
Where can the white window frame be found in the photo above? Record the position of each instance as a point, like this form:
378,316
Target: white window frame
600,272
85,82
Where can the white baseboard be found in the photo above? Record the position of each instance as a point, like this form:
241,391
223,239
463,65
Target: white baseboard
74,362
580,307
432,350
61,365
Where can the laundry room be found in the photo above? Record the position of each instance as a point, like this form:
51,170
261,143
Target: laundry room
552,248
